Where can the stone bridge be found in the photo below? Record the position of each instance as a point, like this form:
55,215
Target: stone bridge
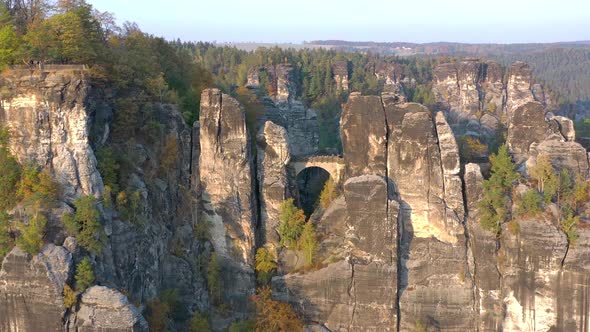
333,164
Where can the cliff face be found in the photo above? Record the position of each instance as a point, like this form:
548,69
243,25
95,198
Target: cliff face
401,246
479,98
52,115
50,126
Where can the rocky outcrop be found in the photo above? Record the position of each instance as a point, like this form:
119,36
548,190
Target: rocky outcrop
340,73
482,243
31,289
227,191
359,292
273,177
284,109
518,87
47,115
103,309
363,133
527,126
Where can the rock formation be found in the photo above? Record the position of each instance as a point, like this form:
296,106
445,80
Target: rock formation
227,189
273,177
401,247
50,126
340,73
31,289
102,309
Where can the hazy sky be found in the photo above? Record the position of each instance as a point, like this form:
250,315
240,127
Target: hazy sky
501,21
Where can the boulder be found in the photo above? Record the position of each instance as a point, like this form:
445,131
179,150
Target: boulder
31,289
105,309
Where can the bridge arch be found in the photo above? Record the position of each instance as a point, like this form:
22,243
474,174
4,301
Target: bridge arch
334,165
311,174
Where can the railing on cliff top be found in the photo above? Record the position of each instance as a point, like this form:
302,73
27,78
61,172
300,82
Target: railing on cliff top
49,67
319,158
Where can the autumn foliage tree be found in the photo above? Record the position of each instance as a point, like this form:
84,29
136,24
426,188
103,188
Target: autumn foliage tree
273,315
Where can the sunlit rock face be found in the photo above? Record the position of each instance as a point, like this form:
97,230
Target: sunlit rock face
31,289
49,121
227,189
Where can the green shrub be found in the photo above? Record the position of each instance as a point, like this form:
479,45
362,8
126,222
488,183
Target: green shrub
84,275
6,242
200,323
108,166
529,204
157,315
328,194
10,172
292,222
32,232
495,203
202,230
214,279
70,297
243,326
308,243
85,225
265,265
568,226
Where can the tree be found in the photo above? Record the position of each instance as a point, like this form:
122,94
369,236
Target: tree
6,242
157,315
32,232
530,203
541,171
272,315
85,225
84,275
495,203
243,326
214,279
265,265
328,194
200,323
9,42
108,165
9,177
308,243
292,222
70,297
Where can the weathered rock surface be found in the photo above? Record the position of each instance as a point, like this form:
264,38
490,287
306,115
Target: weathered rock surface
284,109
273,177
104,309
31,289
518,87
49,122
228,194
486,275
363,132
340,73
527,126
357,293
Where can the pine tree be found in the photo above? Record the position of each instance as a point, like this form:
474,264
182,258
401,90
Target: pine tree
84,275
308,243
495,204
32,232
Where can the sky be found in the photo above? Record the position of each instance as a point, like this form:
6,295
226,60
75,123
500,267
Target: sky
295,21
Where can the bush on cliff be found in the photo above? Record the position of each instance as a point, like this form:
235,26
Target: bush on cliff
214,279
529,203
273,315
85,225
308,243
265,265
328,194
32,232
84,275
